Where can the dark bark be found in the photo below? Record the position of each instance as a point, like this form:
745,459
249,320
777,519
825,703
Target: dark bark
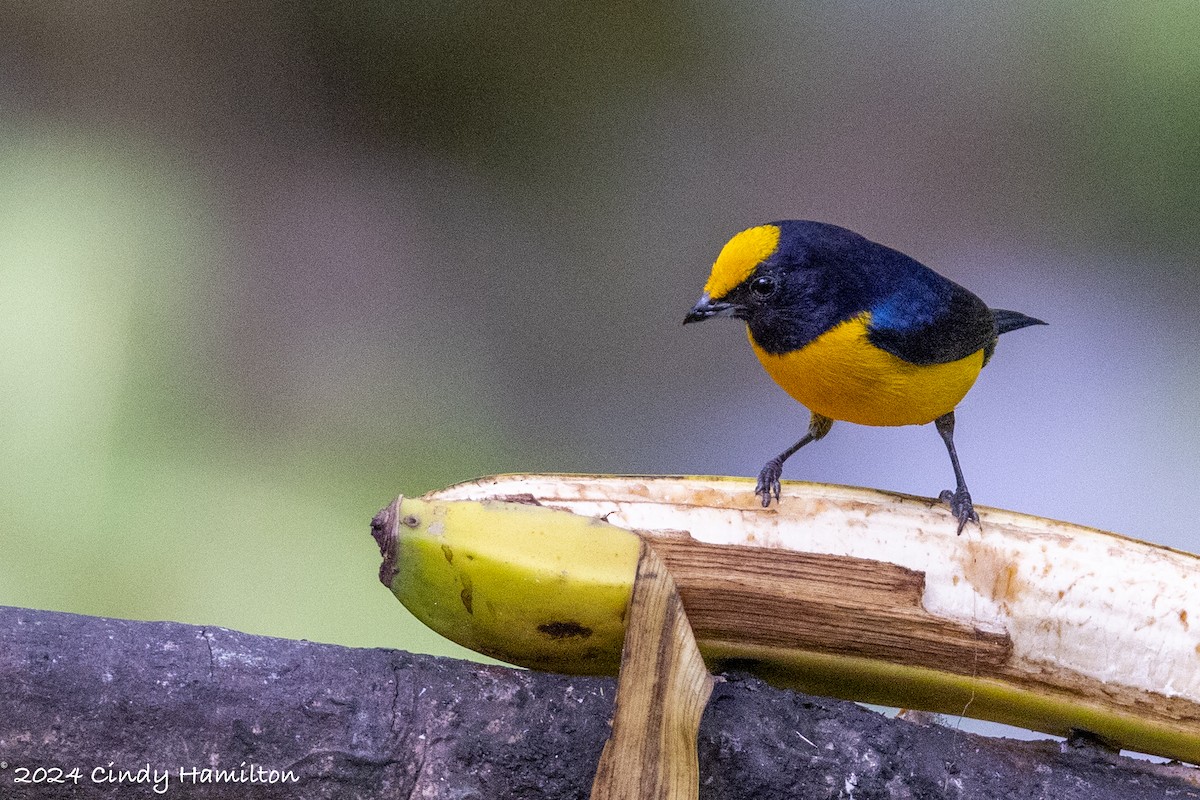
81,693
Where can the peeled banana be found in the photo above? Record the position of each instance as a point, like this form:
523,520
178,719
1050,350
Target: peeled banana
845,592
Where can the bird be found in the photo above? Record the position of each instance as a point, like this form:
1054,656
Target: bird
856,332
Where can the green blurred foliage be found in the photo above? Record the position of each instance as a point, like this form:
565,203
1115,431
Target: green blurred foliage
133,486
1124,77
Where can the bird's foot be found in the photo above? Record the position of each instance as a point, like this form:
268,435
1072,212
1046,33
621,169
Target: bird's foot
961,506
768,481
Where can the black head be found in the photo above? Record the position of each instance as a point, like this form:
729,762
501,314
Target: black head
791,281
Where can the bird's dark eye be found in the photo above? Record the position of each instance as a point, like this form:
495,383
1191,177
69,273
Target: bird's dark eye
762,287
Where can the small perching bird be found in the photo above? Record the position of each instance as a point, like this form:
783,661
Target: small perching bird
855,331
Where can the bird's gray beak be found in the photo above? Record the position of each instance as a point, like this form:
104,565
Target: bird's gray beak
707,307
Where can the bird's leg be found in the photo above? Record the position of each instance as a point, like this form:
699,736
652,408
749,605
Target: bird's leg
960,499
768,478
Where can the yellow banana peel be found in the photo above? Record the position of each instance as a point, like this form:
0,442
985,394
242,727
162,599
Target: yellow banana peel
845,592
532,586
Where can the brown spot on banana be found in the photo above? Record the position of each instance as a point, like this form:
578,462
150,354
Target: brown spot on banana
565,630
468,597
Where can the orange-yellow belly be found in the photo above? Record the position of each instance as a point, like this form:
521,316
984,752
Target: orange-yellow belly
841,375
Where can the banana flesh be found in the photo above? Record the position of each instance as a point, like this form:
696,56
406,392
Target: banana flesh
845,592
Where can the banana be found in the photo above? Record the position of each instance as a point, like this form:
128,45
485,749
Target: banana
846,592
531,586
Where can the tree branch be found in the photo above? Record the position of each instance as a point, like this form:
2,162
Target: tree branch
83,698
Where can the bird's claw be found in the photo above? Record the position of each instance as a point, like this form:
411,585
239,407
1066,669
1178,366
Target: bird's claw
768,481
960,506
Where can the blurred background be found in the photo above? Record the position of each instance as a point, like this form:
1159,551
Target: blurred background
263,266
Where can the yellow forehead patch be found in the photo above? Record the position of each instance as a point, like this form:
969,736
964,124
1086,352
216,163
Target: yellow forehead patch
739,257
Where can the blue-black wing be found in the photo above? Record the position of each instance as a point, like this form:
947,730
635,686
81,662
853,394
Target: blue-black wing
933,323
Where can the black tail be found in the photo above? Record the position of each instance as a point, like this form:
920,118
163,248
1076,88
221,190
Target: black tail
1012,320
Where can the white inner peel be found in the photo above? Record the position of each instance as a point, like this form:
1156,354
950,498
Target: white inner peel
1106,607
